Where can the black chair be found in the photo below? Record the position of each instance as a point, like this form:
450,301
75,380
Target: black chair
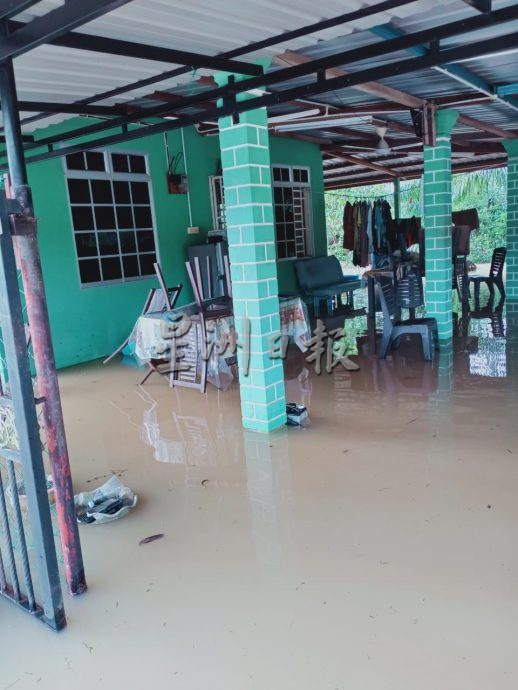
495,277
393,330
409,292
460,280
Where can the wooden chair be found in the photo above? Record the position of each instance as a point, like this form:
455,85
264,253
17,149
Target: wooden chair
170,294
150,299
158,300
210,308
195,376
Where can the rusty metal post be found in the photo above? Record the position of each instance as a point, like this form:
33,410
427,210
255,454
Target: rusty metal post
29,262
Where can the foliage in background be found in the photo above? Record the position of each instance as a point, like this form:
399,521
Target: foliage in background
485,190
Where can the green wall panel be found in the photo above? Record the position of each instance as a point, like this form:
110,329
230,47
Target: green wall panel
89,322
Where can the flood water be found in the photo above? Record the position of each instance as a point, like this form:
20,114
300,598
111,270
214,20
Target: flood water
373,550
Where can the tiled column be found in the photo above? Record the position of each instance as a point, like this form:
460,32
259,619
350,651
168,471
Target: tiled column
511,282
245,159
437,224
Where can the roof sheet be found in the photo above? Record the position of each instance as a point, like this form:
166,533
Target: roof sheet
50,73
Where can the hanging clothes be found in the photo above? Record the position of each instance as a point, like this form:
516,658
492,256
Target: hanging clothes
365,229
348,226
408,228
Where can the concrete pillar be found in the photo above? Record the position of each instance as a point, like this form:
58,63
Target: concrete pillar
397,198
511,283
437,224
245,159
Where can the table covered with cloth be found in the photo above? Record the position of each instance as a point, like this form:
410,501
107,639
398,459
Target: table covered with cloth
147,340
295,323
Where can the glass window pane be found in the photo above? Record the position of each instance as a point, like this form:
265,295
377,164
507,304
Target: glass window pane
102,191
76,161
130,265
105,218
291,249
112,218
288,205
108,243
146,264
276,174
89,271
296,174
304,175
79,191
145,240
124,217
122,192
111,269
143,217
140,192
82,218
285,174
128,242
120,162
137,164
281,250
86,244
95,161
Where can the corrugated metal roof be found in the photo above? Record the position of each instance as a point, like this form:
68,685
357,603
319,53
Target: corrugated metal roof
50,73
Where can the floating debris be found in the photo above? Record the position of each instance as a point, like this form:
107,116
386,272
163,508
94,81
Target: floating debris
148,540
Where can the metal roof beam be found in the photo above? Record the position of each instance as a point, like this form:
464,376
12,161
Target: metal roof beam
249,48
404,98
318,86
176,99
480,5
351,182
71,108
112,46
507,89
457,72
10,8
53,24
343,80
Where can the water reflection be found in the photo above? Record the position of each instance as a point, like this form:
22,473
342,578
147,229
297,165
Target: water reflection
196,441
479,345
269,491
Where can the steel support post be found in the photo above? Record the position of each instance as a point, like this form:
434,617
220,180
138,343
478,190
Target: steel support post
29,262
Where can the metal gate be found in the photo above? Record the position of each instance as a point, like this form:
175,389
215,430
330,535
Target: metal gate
29,575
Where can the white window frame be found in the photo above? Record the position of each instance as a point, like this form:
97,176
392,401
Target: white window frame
308,231
111,175
219,220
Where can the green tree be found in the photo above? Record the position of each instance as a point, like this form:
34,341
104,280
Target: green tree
485,190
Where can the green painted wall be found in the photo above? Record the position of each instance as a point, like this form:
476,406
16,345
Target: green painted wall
88,323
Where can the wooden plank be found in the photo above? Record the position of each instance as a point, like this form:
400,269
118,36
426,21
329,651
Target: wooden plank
363,162
390,94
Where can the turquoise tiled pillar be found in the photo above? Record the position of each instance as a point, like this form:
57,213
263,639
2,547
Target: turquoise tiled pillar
511,283
437,224
245,159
